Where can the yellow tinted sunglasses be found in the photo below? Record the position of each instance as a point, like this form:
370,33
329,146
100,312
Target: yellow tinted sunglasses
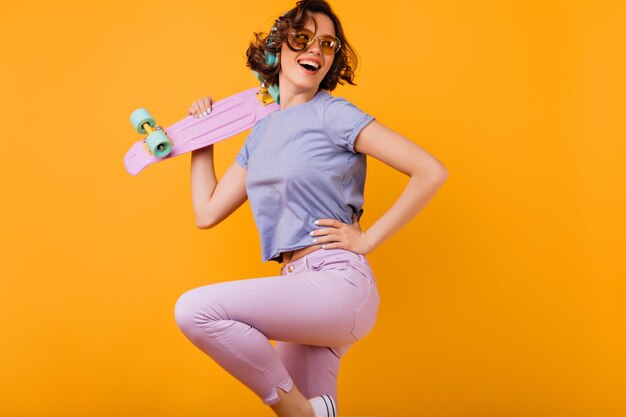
303,38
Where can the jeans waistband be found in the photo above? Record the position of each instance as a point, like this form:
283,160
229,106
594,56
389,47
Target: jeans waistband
303,263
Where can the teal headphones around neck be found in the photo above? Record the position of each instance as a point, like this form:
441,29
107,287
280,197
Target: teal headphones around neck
271,58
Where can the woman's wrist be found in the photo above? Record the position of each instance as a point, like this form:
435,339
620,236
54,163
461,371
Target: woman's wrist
368,242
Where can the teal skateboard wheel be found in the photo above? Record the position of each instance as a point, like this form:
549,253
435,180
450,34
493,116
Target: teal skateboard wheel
139,117
159,144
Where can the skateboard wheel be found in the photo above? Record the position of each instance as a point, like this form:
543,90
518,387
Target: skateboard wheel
159,144
139,117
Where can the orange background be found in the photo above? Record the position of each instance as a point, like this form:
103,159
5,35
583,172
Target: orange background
504,297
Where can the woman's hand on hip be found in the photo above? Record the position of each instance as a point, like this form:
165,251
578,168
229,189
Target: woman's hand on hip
334,234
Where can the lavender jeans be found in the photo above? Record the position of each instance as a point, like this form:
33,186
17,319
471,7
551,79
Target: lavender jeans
318,307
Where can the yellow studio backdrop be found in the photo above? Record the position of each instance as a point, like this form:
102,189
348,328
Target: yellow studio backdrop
504,297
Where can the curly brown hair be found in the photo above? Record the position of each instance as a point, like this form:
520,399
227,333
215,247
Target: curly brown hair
344,64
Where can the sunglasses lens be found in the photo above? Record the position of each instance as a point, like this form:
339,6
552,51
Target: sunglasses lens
301,38
329,45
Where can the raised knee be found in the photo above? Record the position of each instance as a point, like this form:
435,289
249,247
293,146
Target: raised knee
183,311
193,310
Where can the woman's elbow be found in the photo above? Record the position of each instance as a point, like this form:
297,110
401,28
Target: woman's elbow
442,174
202,226
203,222
437,173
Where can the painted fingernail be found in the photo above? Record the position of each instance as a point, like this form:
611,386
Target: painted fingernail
205,114
314,240
317,222
310,233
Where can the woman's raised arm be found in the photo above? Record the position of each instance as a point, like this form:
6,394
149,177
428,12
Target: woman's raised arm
214,201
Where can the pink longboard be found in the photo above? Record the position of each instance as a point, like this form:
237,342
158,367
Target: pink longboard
228,117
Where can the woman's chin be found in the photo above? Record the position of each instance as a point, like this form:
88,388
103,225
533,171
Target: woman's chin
302,81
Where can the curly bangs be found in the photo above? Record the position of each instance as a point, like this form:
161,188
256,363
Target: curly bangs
345,61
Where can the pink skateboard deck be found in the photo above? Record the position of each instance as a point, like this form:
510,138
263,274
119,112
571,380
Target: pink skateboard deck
228,117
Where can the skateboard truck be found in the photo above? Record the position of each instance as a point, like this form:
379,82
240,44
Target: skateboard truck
263,95
157,143
162,146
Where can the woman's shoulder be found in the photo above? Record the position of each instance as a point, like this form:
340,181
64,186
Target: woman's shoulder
331,103
337,106
260,123
258,128
328,98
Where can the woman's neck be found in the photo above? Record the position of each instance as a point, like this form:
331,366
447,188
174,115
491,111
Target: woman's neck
290,96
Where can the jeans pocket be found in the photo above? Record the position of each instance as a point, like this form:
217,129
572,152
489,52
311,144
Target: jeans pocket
329,263
317,265
366,314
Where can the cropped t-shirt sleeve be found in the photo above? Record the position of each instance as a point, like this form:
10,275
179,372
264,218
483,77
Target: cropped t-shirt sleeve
344,121
244,154
247,148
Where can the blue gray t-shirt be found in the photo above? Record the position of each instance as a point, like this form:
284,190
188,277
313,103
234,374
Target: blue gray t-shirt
302,166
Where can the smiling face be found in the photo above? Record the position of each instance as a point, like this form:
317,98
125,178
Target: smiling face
301,71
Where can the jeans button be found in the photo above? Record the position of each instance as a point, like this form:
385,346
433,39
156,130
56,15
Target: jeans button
290,268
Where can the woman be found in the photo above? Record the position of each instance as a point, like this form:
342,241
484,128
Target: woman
303,169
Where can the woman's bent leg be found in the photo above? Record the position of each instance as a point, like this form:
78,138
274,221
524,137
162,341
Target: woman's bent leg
233,321
314,369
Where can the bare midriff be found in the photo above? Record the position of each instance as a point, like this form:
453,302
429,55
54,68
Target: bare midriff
298,253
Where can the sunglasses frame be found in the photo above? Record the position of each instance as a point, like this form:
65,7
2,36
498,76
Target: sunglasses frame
313,38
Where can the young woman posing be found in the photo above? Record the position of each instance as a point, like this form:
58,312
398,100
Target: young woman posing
303,170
